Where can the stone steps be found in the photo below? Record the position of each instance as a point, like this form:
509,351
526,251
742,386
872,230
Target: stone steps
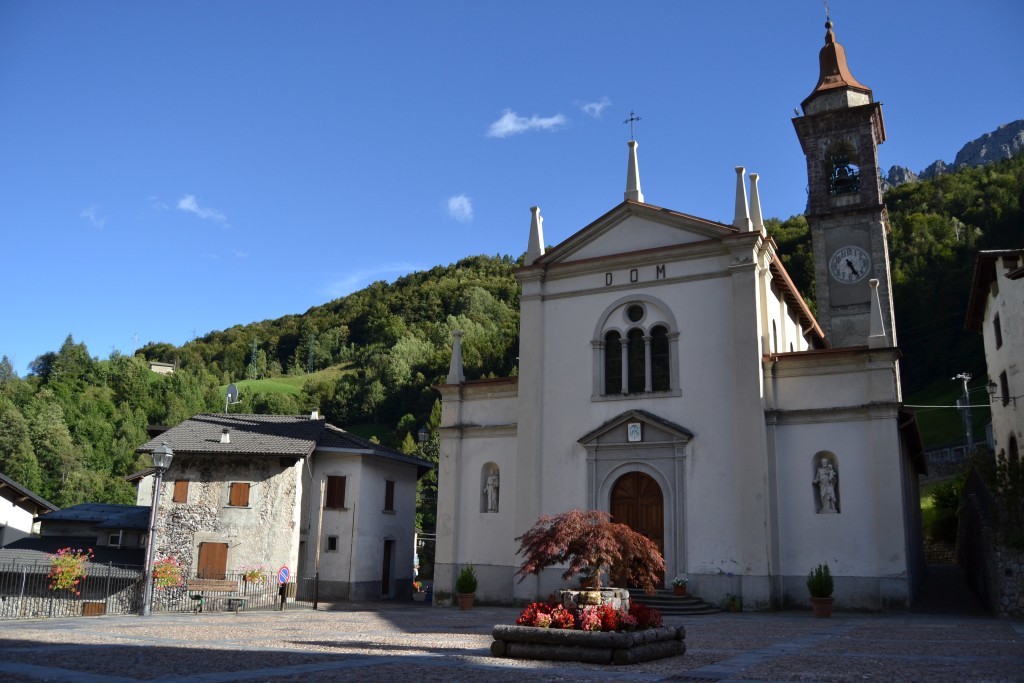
668,603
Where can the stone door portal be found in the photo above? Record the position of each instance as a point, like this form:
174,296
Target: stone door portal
638,503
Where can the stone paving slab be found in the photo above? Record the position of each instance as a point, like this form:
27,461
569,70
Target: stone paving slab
393,643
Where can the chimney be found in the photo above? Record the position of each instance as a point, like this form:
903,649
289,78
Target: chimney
225,436
315,415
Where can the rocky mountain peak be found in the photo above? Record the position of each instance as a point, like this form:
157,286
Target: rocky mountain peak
1004,142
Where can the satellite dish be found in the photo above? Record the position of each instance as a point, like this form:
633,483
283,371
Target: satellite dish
232,397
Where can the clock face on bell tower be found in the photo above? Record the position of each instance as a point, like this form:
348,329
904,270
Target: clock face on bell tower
849,265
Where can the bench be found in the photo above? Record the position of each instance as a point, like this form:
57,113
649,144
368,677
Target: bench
197,589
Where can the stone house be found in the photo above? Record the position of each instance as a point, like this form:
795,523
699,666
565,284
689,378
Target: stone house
671,374
245,491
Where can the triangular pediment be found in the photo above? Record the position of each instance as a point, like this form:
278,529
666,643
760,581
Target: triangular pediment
652,428
634,226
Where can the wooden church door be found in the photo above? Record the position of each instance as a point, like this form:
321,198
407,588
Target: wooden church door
638,503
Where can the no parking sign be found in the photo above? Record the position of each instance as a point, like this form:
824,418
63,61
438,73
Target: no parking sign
283,574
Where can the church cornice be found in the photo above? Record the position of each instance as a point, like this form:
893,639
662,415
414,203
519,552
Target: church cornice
618,214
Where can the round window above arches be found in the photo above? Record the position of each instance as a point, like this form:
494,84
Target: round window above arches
635,313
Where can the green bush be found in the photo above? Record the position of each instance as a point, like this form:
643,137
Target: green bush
466,581
819,582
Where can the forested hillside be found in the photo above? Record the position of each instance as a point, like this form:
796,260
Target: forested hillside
69,429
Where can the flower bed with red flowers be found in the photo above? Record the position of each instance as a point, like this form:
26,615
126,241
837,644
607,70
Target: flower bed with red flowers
592,633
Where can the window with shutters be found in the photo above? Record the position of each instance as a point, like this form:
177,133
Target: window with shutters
180,491
238,494
335,493
389,496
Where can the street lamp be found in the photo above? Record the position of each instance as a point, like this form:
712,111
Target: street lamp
423,434
162,456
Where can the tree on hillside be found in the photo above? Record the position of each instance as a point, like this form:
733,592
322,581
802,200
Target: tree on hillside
17,459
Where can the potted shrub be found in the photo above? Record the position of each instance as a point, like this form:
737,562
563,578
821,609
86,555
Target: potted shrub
732,603
679,585
819,584
590,544
465,587
418,594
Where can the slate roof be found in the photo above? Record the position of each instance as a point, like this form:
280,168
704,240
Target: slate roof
35,550
250,435
103,515
276,435
23,498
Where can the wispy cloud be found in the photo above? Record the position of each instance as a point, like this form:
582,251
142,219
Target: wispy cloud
360,278
92,214
157,204
595,109
460,207
512,123
240,254
189,204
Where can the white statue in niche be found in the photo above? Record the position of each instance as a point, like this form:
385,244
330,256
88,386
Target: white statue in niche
825,478
491,489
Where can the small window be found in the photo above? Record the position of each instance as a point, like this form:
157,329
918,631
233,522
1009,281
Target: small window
180,491
635,313
389,496
332,544
335,493
114,539
1004,386
998,329
238,495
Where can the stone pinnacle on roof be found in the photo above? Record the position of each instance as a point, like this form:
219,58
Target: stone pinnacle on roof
535,248
633,175
755,205
455,374
741,221
834,77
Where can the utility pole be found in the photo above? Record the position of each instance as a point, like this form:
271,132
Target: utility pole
965,408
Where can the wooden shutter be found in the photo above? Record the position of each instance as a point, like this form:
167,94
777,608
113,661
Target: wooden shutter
213,560
335,493
180,491
239,496
389,496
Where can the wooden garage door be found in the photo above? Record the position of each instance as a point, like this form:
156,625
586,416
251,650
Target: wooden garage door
638,503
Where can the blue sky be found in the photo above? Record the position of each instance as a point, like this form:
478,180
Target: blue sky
172,168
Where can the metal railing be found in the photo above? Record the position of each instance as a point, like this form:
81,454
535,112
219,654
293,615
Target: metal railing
25,593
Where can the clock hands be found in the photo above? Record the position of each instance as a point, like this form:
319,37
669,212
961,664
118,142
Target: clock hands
849,264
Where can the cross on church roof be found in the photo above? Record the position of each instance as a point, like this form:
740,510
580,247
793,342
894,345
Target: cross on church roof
632,118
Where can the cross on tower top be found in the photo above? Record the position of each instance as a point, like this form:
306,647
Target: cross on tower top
631,120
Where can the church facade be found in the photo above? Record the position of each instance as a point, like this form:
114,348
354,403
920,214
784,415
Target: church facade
671,374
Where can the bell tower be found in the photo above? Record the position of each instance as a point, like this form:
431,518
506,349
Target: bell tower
840,131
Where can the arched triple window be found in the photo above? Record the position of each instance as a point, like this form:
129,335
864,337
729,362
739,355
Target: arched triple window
634,350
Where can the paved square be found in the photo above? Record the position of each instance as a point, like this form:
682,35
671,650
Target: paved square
395,643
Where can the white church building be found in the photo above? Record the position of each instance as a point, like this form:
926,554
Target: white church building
671,374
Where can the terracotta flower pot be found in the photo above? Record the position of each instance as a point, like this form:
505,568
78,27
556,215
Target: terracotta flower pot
679,590
590,582
822,607
465,600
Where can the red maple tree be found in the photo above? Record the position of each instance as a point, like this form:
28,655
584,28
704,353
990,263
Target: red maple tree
590,544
